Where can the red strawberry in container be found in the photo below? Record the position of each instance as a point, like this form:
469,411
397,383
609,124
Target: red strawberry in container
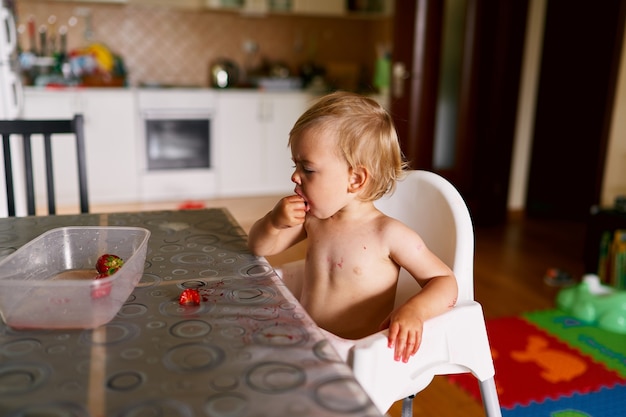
108,264
100,289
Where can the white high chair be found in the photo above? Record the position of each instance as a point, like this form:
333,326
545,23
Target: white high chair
454,342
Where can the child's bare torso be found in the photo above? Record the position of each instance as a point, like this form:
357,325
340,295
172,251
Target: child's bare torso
349,279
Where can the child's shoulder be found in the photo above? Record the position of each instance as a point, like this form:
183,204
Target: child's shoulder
394,228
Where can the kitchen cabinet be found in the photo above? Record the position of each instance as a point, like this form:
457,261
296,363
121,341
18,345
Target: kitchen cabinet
328,8
239,146
112,152
110,143
280,112
181,4
41,104
319,6
197,4
253,130
249,135
89,1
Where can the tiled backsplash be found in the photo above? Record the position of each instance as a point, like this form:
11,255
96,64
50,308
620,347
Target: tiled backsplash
177,46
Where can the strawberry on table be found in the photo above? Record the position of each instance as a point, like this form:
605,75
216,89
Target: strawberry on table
189,297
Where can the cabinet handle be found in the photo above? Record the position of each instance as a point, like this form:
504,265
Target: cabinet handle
399,74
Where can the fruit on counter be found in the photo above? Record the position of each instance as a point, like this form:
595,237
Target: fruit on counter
108,264
189,297
96,65
102,55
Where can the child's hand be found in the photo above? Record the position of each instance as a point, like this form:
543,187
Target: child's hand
289,212
280,228
405,333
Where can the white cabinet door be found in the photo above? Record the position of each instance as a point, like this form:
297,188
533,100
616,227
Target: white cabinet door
239,144
252,133
44,104
109,142
281,112
40,104
111,145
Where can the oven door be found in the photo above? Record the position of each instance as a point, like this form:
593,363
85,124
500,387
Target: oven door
177,154
177,142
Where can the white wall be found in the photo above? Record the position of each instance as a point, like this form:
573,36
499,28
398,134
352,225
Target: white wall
614,183
522,144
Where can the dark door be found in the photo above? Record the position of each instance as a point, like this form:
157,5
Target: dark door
582,45
456,69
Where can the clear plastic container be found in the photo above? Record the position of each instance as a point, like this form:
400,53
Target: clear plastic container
49,283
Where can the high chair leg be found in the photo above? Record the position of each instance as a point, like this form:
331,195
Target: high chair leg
407,406
490,398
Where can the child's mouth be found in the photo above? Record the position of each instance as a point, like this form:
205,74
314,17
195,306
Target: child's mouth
306,203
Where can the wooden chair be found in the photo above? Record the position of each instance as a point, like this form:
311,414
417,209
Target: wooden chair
48,129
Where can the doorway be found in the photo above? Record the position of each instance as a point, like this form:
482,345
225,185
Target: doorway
456,70
578,75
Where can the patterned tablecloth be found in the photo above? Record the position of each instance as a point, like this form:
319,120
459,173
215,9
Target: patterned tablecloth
248,349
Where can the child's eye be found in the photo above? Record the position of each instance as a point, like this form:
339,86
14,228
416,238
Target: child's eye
304,169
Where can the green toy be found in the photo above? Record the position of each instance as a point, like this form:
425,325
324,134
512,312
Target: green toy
594,303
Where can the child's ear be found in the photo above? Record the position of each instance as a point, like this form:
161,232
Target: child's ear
358,178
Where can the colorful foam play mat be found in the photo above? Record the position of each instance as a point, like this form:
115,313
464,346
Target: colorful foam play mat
551,364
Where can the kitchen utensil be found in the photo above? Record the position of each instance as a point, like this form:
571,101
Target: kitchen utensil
223,73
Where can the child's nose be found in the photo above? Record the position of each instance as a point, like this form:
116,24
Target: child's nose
295,178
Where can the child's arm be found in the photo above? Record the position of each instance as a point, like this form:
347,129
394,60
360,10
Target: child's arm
280,228
439,291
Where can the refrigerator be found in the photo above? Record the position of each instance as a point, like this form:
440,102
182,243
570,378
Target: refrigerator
11,90
11,101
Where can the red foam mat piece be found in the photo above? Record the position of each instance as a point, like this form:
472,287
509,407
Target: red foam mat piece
532,366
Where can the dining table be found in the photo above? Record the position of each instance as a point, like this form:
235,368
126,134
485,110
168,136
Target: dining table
247,349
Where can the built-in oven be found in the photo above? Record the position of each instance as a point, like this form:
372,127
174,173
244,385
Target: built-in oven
177,144
177,141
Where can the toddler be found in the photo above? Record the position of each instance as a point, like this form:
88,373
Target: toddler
346,155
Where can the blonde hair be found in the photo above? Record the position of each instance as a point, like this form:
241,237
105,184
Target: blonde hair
366,138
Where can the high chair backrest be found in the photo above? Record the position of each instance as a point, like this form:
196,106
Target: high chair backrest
453,342
430,205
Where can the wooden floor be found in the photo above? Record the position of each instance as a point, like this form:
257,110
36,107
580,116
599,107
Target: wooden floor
510,263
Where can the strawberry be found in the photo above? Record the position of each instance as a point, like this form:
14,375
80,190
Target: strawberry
108,264
189,297
100,289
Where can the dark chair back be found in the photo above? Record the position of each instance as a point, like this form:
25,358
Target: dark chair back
46,128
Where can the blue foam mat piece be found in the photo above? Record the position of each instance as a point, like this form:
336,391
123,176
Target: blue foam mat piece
607,402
